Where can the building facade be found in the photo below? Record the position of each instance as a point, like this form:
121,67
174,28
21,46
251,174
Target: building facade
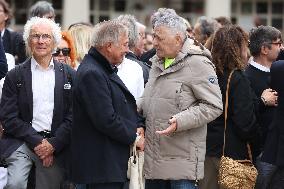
246,13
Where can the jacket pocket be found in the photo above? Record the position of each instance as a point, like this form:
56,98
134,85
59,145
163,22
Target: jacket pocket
184,97
175,146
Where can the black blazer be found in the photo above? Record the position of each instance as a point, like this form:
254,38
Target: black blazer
105,121
274,146
16,109
3,61
14,44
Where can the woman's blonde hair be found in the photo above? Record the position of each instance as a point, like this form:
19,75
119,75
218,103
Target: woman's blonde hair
82,37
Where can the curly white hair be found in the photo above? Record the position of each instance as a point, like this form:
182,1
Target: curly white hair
169,18
55,28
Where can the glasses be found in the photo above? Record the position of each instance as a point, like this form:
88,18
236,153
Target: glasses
44,37
65,52
277,43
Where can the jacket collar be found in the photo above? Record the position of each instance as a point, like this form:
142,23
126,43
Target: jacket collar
112,70
102,60
132,55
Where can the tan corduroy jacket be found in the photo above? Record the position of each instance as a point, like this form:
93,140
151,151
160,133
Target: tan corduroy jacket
189,91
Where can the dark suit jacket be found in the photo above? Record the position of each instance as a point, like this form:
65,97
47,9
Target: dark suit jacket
16,110
274,146
104,122
3,61
14,44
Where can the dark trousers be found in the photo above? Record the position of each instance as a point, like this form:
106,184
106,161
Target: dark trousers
155,184
113,185
278,179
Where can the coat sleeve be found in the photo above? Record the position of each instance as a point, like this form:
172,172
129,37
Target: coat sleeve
3,61
242,108
208,106
97,100
9,114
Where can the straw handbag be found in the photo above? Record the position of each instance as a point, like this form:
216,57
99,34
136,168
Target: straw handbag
135,168
235,174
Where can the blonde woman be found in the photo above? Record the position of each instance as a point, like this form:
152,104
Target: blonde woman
82,37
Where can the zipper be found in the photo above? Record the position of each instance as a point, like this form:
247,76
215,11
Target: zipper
196,167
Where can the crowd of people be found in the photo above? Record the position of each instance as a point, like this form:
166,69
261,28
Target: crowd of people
75,101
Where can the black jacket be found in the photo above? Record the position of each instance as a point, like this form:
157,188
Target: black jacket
16,109
104,122
274,146
14,44
3,61
241,121
260,81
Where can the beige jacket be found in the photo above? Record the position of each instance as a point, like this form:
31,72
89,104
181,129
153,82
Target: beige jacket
188,90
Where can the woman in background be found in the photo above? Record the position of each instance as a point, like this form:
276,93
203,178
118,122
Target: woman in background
81,34
65,52
229,52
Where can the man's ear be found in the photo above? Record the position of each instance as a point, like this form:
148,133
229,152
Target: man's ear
109,46
178,39
264,50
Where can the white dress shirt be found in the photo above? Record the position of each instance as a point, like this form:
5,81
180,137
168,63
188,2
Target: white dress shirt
43,83
131,74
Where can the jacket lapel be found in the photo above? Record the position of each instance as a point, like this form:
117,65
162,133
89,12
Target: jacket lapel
115,78
59,82
27,80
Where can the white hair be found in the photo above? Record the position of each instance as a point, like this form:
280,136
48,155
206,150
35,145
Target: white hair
171,20
55,28
108,31
160,13
130,22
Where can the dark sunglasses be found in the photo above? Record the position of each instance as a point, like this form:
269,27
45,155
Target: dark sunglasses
65,52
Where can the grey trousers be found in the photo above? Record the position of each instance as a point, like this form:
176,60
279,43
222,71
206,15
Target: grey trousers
19,166
211,171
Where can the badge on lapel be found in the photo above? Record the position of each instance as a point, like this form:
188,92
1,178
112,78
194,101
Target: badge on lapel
67,86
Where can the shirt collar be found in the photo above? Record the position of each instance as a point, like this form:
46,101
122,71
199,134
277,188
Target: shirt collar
259,66
35,65
2,32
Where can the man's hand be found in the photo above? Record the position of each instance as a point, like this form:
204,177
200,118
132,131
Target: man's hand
269,97
141,132
141,144
47,161
171,129
44,149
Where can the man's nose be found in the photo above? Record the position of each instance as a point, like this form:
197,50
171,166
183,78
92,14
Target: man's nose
40,39
126,49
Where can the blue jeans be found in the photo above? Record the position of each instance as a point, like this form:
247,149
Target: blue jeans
183,184
266,172
170,184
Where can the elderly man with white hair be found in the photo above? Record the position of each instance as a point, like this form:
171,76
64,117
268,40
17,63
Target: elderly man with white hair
180,98
35,110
